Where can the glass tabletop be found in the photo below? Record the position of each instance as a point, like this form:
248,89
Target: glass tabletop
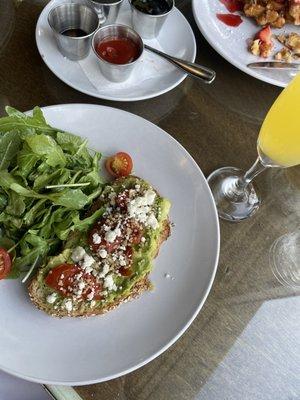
245,343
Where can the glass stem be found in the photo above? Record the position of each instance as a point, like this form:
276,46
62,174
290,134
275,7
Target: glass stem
256,169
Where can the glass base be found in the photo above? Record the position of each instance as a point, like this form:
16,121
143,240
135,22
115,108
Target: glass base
233,204
285,259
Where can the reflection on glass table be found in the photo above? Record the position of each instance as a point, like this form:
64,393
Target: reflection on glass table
285,259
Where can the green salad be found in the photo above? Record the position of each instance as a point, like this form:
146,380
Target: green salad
47,179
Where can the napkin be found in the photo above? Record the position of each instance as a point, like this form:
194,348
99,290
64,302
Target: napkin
147,68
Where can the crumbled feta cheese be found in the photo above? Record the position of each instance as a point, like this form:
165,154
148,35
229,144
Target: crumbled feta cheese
143,239
81,285
149,196
122,263
69,305
112,198
104,271
96,238
102,253
168,276
112,234
139,207
109,283
152,221
51,298
90,296
93,303
87,261
88,270
78,254
137,187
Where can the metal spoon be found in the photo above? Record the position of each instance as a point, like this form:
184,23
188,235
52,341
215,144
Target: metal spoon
197,71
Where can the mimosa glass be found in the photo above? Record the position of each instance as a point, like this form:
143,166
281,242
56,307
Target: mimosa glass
278,145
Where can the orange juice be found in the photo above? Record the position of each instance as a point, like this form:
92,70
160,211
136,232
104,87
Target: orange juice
279,137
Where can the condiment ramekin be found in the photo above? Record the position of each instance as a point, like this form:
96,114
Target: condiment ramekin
111,71
73,16
107,10
147,25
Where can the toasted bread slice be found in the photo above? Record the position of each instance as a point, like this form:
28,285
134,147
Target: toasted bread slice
126,288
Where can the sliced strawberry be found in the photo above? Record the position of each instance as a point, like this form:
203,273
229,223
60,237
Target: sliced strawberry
233,5
265,35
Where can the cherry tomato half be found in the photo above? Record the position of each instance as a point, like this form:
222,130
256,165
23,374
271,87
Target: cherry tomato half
119,165
61,279
5,263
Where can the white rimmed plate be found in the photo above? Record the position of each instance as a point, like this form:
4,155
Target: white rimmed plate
231,43
37,347
152,77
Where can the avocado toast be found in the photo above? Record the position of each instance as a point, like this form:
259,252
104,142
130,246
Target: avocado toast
108,264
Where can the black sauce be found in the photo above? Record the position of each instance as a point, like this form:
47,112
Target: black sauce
152,7
74,32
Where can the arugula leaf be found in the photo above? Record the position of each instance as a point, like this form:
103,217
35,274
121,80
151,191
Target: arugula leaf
92,177
7,179
69,142
55,217
3,200
22,263
43,180
16,205
86,223
30,215
10,223
24,123
26,160
10,143
74,199
38,115
44,145
74,223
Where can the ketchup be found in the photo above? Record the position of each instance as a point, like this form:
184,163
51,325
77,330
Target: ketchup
118,50
233,5
230,19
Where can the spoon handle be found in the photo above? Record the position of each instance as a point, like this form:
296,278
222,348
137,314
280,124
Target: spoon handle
198,71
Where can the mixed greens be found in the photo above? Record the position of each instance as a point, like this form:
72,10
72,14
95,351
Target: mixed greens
47,180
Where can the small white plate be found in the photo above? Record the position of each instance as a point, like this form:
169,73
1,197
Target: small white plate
37,347
231,43
153,75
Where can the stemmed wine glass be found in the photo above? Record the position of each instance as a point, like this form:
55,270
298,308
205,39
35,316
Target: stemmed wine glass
278,145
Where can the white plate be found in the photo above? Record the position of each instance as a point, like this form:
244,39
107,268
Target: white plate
79,351
231,43
158,76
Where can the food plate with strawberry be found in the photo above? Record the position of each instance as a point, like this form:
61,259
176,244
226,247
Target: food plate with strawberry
241,40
